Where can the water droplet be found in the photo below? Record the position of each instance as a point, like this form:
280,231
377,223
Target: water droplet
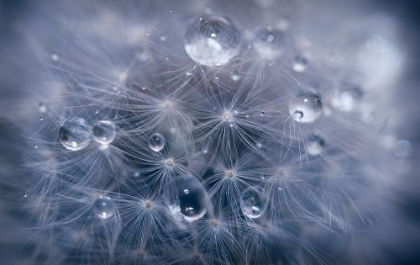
212,40
163,37
216,76
35,146
235,76
403,149
41,118
54,57
262,176
270,43
300,63
42,107
262,113
25,195
137,174
259,145
205,149
306,107
185,198
157,142
104,132
172,130
231,124
314,145
170,11
75,134
253,202
104,207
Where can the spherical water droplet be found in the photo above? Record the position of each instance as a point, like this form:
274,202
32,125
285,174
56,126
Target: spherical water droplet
137,174
403,149
314,145
75,134
262,113
235,76
300,63
157,142
270,43
163,38
25,195
212,40
42,107
104,132
231,124
253,202
185,198
170,11
54,57
41,118
104,207
205,149
306,107
35,146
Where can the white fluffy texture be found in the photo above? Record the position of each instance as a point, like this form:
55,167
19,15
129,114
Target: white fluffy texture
228,124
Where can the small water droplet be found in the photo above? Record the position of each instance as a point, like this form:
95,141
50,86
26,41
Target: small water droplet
170,11
54,57
157,142
42,107
75,134
104,132
216,76
137,174
234,75
35,146
205,149
41,118
231,125
25,195
163,38
253,202
262,113
104,207
300,63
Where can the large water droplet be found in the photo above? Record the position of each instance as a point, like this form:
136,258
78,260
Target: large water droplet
212,40
185,198
75,134
104,132
253,202
157,142
104,207
270,43
306,107
314,145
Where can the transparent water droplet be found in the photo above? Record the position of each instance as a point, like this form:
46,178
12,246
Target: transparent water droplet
75,134
262,176
205,149
212,40
259,145
137,174
41,118
235,76
170,11
104,207
104,132
314,145
216,76
231,124
186,198
25,195
270,43
300,63
172,130
163,37
54,57
262,113
157,142
306,107
35,146
42,107
403,149
253,202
